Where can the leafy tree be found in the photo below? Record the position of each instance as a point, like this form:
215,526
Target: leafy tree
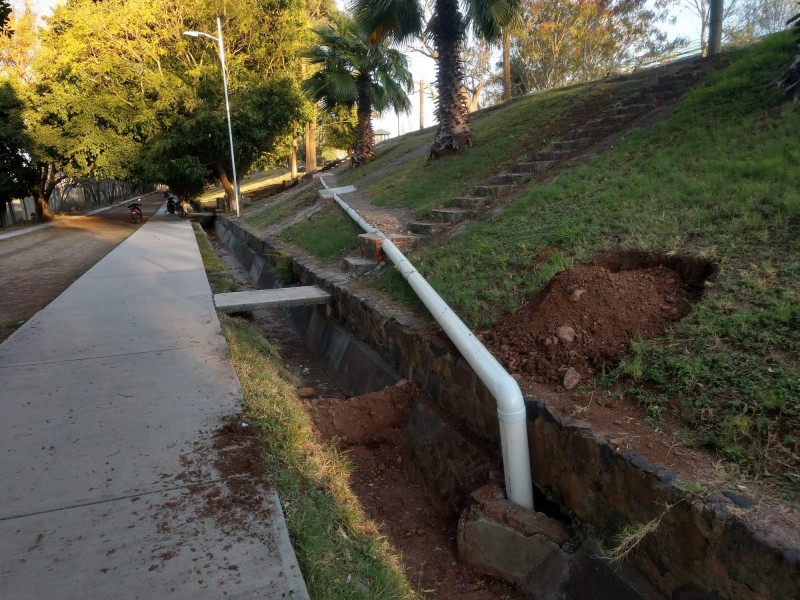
17,174
751,19
20,44
338,128
400,19
120,92
567,41
5,15
355,72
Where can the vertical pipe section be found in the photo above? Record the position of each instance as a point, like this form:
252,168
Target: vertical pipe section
503,387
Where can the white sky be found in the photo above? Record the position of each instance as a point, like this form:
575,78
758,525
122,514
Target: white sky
421,67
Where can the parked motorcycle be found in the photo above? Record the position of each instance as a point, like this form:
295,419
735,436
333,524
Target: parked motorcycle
136,211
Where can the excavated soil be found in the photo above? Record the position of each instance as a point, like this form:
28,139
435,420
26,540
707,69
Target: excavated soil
371,430
585,320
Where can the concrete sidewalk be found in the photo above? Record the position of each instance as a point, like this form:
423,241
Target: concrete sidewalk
110,397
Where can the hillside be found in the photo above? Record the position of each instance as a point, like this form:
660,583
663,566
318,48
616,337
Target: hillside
704,186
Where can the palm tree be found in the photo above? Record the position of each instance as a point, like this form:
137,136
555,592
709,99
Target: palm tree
400,19
353,71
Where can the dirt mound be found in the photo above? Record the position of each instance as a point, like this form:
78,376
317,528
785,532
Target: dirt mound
585,319
372,430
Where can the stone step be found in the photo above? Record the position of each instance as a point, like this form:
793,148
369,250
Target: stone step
594,133
536,166
627,110
674,80
426,227
260,299
357,264
492,191
550,155
449,215
469,202
666,89
573,145
512,178
654,97
607,121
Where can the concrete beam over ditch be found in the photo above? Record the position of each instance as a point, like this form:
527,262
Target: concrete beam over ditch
281,298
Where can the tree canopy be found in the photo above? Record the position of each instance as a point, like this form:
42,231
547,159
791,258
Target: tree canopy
17,174
355,72
119,92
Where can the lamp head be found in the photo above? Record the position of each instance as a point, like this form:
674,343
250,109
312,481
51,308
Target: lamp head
192,33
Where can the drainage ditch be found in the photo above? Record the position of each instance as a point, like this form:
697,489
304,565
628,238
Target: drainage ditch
587,469
388,433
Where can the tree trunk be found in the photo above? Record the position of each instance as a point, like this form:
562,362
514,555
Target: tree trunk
454,133
311,147
715,27
230,193
48,179
293,160
506,64
364,135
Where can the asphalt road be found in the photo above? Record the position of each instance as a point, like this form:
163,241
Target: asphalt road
37,266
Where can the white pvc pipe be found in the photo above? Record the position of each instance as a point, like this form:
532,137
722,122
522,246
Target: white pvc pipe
503,387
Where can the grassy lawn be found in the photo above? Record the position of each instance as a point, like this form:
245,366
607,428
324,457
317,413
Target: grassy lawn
341,552
248,184
500,140
717,179
280,211
327,235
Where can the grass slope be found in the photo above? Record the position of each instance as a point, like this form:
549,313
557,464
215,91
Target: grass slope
718,179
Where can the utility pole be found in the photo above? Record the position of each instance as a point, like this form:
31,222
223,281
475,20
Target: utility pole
422,104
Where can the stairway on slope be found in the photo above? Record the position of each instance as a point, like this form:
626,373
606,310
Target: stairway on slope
613,122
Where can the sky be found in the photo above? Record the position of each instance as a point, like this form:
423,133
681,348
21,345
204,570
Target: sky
421,67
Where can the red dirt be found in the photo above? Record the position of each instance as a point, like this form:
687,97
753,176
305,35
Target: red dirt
371,429
605,311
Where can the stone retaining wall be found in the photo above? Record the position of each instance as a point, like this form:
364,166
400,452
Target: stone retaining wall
701,548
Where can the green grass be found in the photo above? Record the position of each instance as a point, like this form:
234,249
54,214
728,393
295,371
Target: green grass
499,140
328,235
218,277
248,184
279,212
341,552
717,179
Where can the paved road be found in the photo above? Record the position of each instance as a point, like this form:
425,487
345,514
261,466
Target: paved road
37,265
109,398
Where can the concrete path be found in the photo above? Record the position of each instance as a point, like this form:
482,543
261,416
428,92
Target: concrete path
109,400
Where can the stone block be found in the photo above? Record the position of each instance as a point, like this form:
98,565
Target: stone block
497,549
369,246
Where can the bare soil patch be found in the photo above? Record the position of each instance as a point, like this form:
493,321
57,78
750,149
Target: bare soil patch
371,429
585,320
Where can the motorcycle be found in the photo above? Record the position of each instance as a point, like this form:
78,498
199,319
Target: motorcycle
136,211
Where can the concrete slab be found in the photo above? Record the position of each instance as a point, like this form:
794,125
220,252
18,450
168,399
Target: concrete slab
328,193
141,547
308,295
97,429
110,396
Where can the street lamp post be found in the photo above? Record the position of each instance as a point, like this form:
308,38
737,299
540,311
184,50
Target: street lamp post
221,48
